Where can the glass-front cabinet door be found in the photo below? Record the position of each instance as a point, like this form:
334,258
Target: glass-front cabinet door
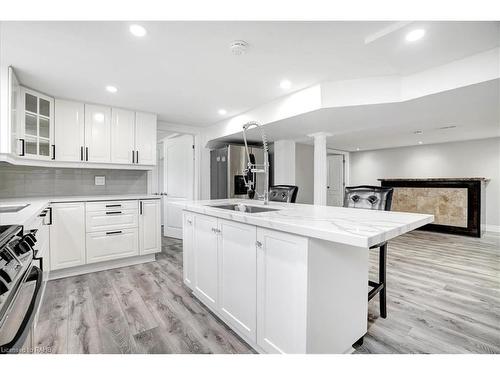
37,126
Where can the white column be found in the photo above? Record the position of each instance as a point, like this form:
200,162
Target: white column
320,167
284,162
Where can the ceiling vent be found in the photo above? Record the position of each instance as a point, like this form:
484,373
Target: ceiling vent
238,47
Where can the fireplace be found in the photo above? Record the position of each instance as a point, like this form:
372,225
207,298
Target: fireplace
454,202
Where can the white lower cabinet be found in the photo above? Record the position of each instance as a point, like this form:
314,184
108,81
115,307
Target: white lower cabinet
206,259
149,226
67,235
114,244
281,292
188,249
255,279
92,232
238,277
111,219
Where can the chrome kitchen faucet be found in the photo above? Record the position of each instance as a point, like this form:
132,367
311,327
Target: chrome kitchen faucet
254,168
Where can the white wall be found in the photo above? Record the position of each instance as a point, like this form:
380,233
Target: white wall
477,158
284,162
304,172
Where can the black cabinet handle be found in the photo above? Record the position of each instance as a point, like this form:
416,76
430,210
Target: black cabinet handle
113,212
50,216
53,152
113,205
115,232
81,153
86,154
140,208
133,157
137,157
22,147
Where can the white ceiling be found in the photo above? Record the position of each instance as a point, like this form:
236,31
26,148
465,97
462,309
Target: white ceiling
474,110
185,72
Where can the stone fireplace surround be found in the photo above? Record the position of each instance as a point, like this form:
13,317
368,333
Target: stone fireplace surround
454,202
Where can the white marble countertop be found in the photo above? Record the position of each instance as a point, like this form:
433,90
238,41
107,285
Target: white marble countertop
37,204
352,226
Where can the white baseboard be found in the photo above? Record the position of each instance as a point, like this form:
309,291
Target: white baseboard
101,266
491,228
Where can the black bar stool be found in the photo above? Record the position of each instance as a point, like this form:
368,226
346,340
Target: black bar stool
283,193
373,198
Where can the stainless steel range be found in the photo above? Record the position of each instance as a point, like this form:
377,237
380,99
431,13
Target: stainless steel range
21,283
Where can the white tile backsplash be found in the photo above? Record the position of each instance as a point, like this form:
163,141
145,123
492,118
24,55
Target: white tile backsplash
22,181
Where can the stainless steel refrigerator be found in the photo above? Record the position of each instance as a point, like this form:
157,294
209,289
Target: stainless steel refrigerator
226,171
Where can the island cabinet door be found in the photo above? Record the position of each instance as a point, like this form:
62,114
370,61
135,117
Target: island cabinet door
188,249
238,277
205,259
281,291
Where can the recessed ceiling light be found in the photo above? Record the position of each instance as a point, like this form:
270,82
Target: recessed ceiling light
111,89
357,148
415,35
420,142
222,112
285,84
418,132
137,30
99,117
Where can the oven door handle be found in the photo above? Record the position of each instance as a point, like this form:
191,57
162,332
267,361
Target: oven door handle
17,342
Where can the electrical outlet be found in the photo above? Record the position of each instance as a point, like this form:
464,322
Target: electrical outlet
100,180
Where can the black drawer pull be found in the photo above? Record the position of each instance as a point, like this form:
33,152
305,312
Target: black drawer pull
113,212
115,232
113,205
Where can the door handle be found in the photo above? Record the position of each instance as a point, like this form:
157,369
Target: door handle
133,157
140,208
22,147
81,153
137,157
114,232
53,152
86,154
113,213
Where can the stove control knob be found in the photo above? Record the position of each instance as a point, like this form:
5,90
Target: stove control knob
22,247
30,239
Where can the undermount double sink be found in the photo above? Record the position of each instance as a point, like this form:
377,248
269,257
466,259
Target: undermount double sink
244,208
12,208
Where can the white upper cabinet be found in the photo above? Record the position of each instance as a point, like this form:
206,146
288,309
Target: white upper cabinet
122,136
97,133
36,133
15,111
145,138
69,130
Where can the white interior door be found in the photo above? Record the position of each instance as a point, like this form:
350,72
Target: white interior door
178,181
335,180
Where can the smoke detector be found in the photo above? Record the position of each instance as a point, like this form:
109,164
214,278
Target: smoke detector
238,47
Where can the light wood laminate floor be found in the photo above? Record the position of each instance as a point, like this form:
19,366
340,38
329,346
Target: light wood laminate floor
443,297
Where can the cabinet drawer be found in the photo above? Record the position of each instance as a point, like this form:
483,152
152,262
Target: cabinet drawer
107,245
111,219
112,205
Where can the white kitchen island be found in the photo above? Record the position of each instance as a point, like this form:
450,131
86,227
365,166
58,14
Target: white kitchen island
292,280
